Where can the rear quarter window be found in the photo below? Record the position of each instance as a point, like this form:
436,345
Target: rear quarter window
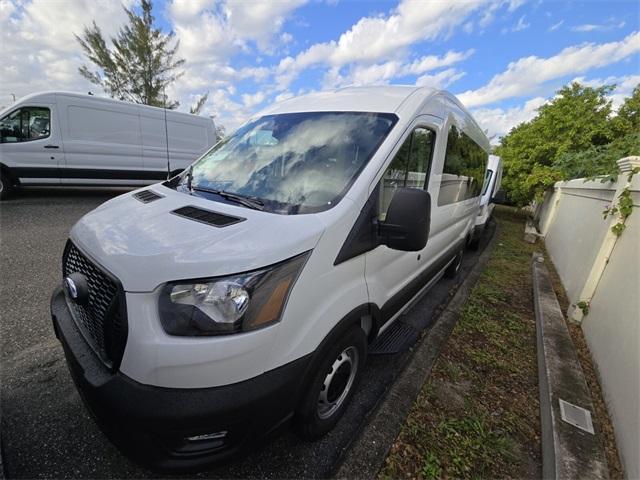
464,168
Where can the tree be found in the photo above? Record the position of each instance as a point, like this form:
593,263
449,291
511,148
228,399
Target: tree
577,119
628,119
197,108
140,64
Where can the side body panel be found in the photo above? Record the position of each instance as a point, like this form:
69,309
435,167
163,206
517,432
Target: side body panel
100,139
324,293
389,272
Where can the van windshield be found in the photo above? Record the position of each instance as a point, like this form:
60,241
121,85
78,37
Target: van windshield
291,163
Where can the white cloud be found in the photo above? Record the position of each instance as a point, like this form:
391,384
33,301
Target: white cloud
39,50
528,74
521,25
382,73
378,38
211,32
6,9
518,27
590,27
556,26
441,79
258,21
498,121
515,4
251,100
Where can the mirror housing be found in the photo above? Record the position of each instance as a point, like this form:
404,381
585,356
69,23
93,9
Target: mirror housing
499,198
406,226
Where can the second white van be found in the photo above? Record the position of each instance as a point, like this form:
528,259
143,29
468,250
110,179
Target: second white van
62,138
202,313
491,194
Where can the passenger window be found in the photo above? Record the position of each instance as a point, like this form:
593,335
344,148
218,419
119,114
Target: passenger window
409,168
464,168
25,125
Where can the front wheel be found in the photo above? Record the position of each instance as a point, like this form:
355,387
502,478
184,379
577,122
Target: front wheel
333,385
6,186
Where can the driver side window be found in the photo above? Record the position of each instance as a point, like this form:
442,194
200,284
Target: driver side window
409,168
25,124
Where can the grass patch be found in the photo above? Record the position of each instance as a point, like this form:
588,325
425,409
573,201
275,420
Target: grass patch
478,415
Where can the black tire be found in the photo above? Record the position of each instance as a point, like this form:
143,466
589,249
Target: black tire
323,404
6,186
454,267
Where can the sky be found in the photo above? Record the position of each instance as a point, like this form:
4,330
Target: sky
502,58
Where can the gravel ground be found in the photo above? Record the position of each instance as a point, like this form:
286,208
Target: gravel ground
47,433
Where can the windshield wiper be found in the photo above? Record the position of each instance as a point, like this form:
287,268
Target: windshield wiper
249,202
190,179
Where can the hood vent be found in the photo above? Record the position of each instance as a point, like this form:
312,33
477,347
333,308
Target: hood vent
147,196
207,216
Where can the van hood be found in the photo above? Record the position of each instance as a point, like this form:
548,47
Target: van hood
146,245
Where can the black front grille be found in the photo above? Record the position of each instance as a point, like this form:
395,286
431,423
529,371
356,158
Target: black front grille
102,320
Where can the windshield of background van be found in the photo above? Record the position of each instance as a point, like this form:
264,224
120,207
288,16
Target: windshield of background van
294,162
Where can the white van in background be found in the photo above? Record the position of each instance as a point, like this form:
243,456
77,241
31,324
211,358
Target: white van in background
60,138
492,183
244,293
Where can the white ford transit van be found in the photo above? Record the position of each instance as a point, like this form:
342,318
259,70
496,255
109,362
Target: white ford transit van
492,184
203,312
60,138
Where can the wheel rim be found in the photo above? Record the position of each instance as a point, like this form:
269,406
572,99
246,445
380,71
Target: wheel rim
338,382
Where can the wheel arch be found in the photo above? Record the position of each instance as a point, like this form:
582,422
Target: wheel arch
9,173
357,317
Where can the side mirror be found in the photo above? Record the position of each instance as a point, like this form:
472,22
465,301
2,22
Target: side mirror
499,198
406,226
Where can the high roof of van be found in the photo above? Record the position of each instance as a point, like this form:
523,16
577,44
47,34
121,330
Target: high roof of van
382,99
50,96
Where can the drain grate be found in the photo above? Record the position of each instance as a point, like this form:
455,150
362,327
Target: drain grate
576,416
397,337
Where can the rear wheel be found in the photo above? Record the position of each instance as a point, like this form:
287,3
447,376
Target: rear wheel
454,267
332,385
6,186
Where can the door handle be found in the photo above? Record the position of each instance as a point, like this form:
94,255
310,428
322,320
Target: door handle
51,146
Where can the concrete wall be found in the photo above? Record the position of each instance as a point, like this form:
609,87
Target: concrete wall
577,237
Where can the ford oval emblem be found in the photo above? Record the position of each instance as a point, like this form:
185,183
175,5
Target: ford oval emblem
70,287
77,288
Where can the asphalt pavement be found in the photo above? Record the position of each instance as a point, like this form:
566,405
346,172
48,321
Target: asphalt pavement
46,431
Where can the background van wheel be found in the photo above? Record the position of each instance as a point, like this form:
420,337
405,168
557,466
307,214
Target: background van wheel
332,385
6,186
453,269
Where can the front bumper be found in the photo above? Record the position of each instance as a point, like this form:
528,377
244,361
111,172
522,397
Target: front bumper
156,426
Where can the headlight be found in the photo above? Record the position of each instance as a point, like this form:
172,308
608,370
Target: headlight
223,305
